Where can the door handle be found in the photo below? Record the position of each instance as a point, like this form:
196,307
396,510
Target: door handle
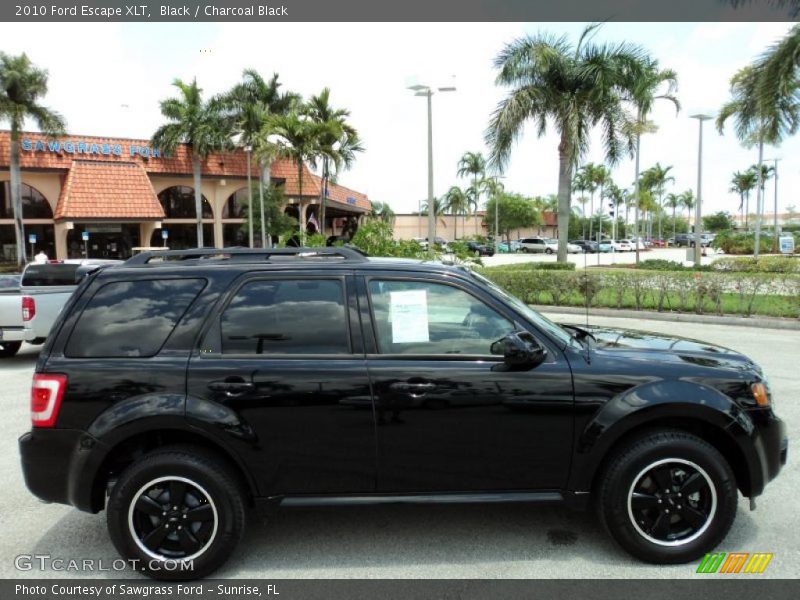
412,388
231,387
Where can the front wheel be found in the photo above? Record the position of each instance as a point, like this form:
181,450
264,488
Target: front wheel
548,251
668,497
9,349
177,512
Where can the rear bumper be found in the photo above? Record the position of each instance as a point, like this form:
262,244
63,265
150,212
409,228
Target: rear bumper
12,334
59,466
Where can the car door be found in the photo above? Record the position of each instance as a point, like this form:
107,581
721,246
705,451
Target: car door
284,370
450,415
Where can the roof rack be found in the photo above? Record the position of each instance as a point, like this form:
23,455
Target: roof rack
238,254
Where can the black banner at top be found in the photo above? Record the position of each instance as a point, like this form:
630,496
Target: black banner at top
396,10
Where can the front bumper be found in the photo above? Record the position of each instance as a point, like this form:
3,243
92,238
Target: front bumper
771,448
59,466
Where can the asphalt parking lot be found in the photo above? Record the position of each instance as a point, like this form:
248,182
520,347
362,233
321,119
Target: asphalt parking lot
494,541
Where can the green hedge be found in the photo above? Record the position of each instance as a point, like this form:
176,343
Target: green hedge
713,293
763,264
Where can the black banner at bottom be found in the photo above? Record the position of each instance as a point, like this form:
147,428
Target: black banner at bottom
708,587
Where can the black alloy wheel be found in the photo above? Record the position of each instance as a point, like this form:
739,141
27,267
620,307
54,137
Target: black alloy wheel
667,496
178,512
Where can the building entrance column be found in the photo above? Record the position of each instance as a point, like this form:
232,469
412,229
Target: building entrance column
61,231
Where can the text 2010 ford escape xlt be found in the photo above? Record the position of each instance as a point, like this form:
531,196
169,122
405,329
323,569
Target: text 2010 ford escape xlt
183,389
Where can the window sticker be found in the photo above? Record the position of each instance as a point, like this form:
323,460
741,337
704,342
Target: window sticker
409,316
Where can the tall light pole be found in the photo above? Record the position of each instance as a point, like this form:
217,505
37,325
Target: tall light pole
248,150
775,207
701,118
427,91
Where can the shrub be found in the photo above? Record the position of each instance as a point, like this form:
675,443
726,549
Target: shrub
740,243
763,264
555,266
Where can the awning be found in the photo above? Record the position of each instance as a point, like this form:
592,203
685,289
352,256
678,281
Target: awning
107,191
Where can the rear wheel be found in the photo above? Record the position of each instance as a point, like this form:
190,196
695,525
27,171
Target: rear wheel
668,497
9,349
178,512
548,251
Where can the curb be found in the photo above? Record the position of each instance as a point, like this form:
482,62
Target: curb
758,322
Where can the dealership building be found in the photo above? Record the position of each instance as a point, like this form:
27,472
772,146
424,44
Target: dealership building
126,194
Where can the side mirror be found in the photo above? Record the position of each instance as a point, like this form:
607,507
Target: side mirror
520,349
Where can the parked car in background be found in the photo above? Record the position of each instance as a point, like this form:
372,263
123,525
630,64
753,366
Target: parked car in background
588,246
688,239
479,249
621,245
504,247
605,246
45,289
440,243
421,241
538,244
11,331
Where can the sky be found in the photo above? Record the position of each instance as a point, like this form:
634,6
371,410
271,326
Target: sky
107,79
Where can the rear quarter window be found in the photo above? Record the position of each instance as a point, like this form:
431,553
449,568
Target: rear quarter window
131,318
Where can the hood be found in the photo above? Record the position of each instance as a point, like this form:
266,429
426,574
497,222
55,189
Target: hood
642,343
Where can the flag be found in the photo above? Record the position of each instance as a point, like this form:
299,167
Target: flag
312,220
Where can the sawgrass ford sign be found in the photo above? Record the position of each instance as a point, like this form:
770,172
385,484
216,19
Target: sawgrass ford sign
83,147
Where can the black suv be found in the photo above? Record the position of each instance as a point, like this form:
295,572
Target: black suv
183,388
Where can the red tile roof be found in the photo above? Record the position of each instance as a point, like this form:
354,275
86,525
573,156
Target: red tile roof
41,153
104,190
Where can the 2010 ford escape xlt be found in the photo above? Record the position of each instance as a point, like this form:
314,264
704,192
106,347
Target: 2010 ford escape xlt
183,389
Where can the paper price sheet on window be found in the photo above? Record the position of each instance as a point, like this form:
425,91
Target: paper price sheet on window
409,315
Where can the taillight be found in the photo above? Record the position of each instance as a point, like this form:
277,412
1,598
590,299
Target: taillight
47,391
28,308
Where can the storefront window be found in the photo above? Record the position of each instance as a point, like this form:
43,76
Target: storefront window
236,205
34,204
182,236
178,203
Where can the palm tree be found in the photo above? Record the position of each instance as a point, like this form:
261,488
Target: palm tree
473,163
673,201
248,104
587,180
493,188
575,88
581,184
382,211
22,84
757,122
198,124
601,177
743,183
616,195
457,203
649,84
655,179
297,139
438,207
338,142
687,201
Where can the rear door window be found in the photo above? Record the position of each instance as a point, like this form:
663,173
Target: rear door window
131,318
286,316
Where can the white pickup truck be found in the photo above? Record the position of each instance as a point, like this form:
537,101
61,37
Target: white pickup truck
28,312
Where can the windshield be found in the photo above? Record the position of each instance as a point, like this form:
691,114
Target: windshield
533,316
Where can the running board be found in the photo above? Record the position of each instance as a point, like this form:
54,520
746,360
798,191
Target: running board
453,498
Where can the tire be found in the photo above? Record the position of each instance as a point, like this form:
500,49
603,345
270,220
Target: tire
9,349
548,251
694,524
202,480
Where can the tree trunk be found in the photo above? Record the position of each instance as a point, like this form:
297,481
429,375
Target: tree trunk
261,170
198,197
636,190
759,199
564,183
747,211
266,175
674,225
300,199
591,212
323,195
16,196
